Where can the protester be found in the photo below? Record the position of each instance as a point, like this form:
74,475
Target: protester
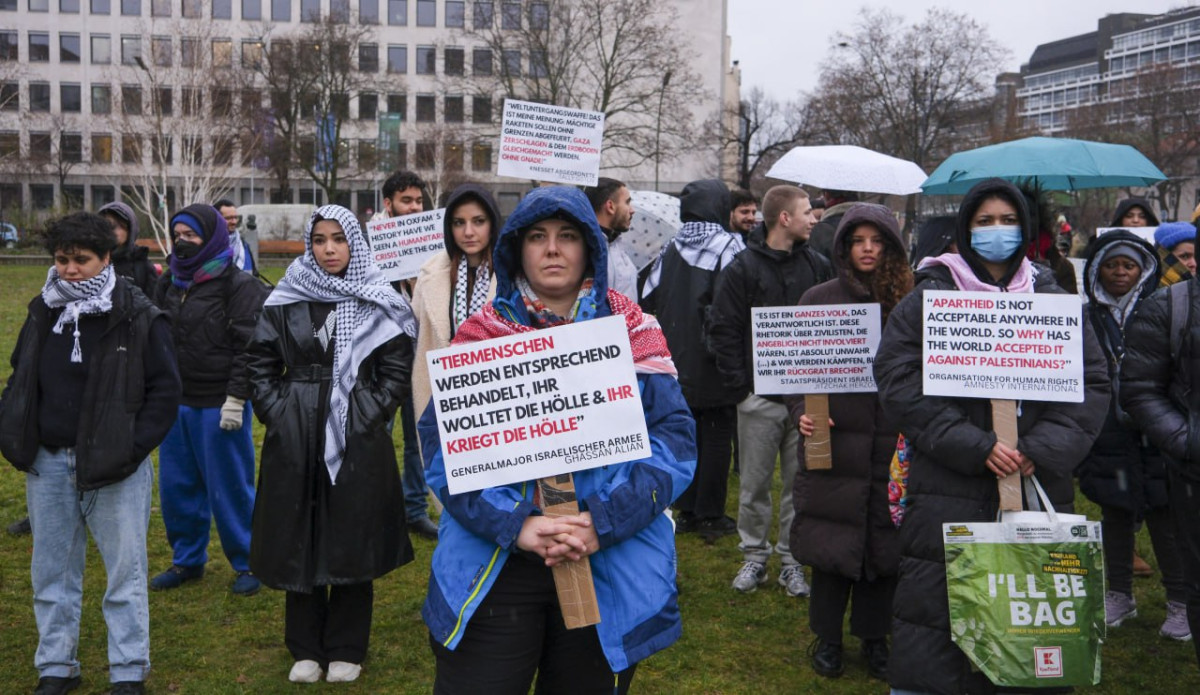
818,208
776,269
403,194
1134,212
206,462
935,236
329,361
955,457
93,390
679,291
1043,250
243,258
1176,243
613,205
454,285
129,260
836,205
743,218
1121,474
492,608
843,529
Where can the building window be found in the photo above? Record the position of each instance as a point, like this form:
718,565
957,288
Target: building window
131,8
39,47
538,65
397,13
222,9
251,9
10,96
426,13
131,50
483,15
398,103
190,101
9,50
426,60
251,103
452,156
42,193
456,14
368,57
70,145
368,11
512,62
310,10
131,100
424,155
39,96
281,10
131,149
68,6
426,108
453,110
454,58
101,7
40,146
539,15
162,150
481,61
368,106
367,159
102,152
481,157
222,53
10,144
397,59
481,110
252,54
159,8
34,5
160,49
193,150
68,48
103,195
339,11
10,195
222,102
222,151
510,15
191,9
164,102
189,52
70,97
101,99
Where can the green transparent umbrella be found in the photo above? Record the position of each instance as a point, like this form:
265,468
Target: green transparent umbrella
1051,164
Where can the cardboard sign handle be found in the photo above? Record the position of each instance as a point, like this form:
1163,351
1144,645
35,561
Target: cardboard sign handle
1004,424
572,580
818,455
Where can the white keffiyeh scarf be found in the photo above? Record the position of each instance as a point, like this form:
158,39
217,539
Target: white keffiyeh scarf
479,294
369,313
239,250
91,296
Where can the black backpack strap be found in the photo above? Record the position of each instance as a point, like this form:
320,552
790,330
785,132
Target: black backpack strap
1179,309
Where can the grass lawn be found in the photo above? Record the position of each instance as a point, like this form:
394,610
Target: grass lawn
204,640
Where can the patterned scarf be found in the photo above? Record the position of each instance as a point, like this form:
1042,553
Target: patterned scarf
583,309
369,314
239,251
479,294
214,256
1172,270
649,346
967,281
91,296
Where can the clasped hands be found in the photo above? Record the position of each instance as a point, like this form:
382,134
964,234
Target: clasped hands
559,539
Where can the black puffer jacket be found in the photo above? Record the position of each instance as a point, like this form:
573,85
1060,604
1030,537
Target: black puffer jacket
129,401
1121,470
759,276
950,439
212,322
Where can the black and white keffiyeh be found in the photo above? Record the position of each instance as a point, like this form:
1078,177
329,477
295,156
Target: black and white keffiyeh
239,250
91,296
369,313
703,245
479,294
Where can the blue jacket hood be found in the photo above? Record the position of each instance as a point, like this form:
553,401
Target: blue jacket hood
542,203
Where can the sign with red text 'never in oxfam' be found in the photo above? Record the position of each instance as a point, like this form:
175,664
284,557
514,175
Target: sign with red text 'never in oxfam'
1003,345
401,245
537,404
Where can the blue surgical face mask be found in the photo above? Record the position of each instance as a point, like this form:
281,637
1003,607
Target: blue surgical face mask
996,243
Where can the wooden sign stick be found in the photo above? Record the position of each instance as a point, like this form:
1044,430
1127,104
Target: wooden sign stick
573,580
1004,424
818,455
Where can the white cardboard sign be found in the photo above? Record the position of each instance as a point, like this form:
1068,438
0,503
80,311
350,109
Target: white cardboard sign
1146,233
550,143
1005,346
401,245
538,404
815,348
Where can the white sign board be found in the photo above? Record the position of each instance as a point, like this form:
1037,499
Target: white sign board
401,245
538,404
1005,346
1146,233
814,349
550,143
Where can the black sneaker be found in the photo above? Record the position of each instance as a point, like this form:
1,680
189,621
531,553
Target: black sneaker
826,658
875,651
424,527
56,685
716,527
685,522
19,528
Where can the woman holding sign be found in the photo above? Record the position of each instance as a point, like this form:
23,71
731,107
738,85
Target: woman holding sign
492,609
956,458
843,528
329,361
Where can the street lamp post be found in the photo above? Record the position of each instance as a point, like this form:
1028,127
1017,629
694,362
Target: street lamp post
658,126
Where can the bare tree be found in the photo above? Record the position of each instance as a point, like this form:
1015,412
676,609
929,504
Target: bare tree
760,130
442,155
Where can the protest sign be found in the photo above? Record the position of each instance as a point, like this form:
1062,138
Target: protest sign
1003,346
1146,233
543,142
401,245
814,349
537,404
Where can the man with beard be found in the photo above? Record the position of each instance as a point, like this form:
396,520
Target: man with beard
613,205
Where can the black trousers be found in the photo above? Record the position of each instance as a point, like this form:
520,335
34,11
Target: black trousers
1119,528
333,623
517,632
1185,508
715,431
870,610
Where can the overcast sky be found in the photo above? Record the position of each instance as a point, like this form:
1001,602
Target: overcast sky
781,43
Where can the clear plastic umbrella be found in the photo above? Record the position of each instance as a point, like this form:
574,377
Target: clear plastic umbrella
655,222
848,168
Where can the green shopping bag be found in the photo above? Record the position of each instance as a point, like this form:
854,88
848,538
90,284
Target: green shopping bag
1026,595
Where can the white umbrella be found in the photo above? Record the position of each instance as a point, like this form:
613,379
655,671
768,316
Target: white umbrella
848,168
655,222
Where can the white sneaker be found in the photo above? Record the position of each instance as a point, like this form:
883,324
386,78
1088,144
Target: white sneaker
342,672
750,577
305,671
792,580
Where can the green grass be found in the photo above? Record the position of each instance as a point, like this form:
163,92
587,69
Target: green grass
204,640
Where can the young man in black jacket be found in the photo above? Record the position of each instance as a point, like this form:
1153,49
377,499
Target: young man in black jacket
775,269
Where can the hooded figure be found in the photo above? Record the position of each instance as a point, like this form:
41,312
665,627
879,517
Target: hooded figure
1123,207
128,259
935,236
480,559
951,444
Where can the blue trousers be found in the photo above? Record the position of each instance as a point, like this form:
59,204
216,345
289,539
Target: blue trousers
207,473
416,504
